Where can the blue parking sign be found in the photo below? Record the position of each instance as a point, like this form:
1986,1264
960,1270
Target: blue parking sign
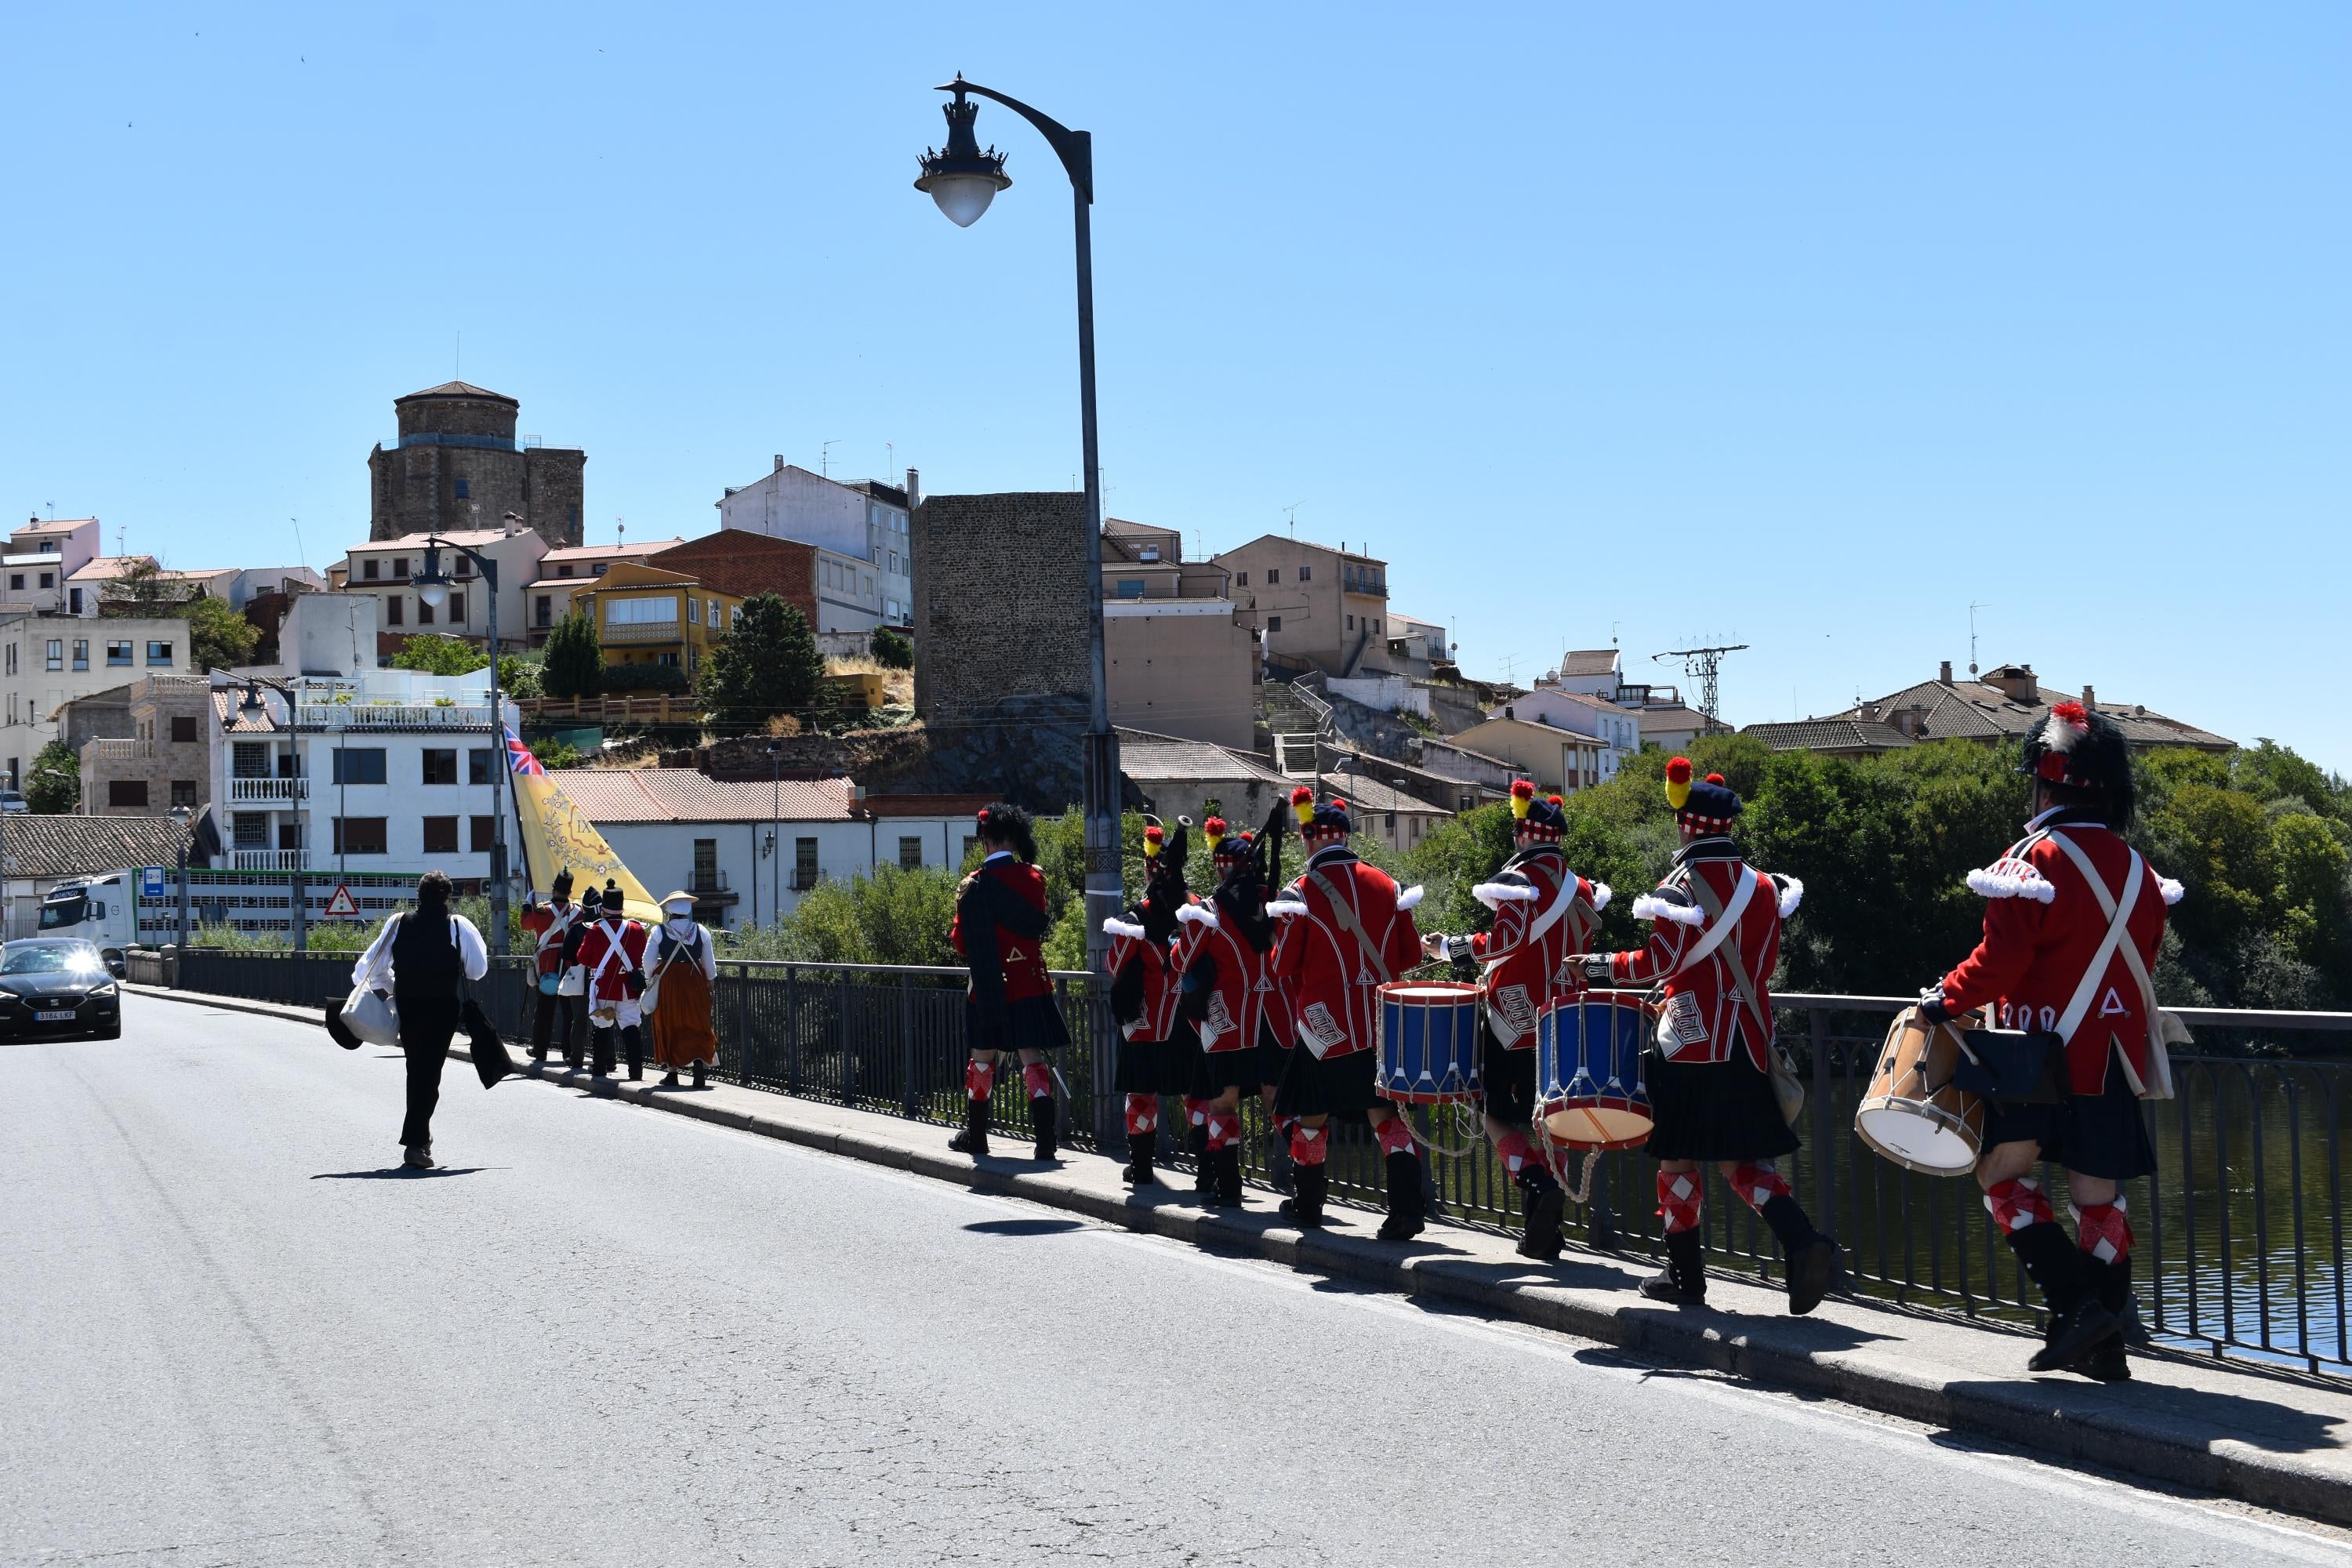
150,881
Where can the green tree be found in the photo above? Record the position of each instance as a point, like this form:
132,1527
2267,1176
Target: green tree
554,753
519,675
768,664
572,663
892,649
218,636
432,654
53,788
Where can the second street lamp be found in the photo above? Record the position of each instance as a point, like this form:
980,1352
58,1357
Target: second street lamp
963,181
433,587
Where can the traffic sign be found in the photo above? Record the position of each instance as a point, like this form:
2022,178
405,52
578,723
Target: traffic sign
150,881
342,903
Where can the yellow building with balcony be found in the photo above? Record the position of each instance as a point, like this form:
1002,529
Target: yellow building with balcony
645,616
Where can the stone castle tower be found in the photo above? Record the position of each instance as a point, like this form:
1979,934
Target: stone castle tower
456,465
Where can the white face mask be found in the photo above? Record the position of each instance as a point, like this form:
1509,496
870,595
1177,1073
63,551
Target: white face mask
679,925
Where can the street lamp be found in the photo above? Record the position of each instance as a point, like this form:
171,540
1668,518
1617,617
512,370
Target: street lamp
963,181
182,815
433,587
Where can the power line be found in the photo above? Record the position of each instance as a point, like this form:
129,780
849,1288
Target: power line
1703,665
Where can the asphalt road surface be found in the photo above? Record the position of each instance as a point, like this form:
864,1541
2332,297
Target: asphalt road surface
234,1333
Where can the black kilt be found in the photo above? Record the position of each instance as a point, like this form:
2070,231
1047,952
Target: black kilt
1715,1110
1273,1054
1033,1024
2101,1135
1155,1067
1507,1078
1213,1072
1327,1086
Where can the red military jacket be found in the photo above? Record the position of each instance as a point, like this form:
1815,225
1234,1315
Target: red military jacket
1019,960
1241,986
1151,979
549,926
2043,927
1333,976
608,958
1543,912
1703,1005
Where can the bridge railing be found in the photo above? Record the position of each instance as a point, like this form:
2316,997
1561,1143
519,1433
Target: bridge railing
2241,1234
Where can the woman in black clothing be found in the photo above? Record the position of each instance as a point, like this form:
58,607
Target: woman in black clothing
423,956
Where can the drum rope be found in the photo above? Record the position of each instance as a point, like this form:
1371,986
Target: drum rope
1555,1152
1461,1112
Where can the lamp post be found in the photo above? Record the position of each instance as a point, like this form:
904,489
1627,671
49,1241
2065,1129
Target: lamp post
182,815
775,833
433,587
963,181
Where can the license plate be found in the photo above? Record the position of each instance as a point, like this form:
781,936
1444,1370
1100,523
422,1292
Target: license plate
64,1017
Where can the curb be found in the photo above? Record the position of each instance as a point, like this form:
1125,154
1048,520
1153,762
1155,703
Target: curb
2083,1424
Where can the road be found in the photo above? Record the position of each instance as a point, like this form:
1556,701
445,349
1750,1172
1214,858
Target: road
234,1334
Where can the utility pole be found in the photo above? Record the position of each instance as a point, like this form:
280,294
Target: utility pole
1704,665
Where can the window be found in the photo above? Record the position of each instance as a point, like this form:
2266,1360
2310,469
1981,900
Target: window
479,835
1351,623
359,765
894,560
911,853
81,653
400,568
289,835
440,836
1130,588
804,865
639,612
714,615
706,865
183,728
441,765
360,835
734,617
183,793
126,792
464,491
564,570
464,567
56,659
16,580
1273,576
159,653
456,607
1306,575
249,760
392,611
368,568
694,609
249,830
544,610
423,610
12,659
49,579
1273,622
1241,579
478,764
599,569
118,654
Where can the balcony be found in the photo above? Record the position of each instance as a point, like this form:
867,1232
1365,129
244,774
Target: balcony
268,859
641,632
124,751
268,791
391,716
710,888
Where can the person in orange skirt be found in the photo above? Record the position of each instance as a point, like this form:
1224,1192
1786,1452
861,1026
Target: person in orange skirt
681,971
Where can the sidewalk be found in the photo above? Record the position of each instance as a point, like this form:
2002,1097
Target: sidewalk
2281,1442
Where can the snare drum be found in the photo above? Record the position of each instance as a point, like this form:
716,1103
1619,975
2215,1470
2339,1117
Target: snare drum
1914,1114
1589,1058
1429,1043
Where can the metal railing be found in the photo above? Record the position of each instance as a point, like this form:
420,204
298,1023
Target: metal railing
2241,1232
391,716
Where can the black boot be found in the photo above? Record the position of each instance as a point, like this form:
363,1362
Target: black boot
1278,1165
1227,1168
600,1052
1140,1147
1303,1207
1546,1205
2108,1360
1812,1257
1683,1281
1407,1211
973,1138
1041,1120
2077,1322
632,1040
1196,1142
698,1073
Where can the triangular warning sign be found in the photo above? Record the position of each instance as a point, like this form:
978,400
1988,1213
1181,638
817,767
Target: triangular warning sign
342,903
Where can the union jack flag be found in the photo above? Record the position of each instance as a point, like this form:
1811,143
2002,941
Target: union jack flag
518,755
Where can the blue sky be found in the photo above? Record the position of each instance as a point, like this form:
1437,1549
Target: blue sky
1802,326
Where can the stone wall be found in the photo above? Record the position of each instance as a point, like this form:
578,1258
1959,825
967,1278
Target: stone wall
1001,605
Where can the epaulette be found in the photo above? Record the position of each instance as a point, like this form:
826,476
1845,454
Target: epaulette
1669,903
1792,892
2008,878
1509,887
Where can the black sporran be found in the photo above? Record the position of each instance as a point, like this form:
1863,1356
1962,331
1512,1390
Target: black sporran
2016,1069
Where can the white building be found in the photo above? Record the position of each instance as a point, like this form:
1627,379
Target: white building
41,557
386,569
866,521
381,770
748,850
49,660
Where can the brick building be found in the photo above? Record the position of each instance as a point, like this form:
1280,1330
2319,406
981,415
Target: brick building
1001,603
456,464
742,563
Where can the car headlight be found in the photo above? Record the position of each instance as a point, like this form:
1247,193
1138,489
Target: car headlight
109,989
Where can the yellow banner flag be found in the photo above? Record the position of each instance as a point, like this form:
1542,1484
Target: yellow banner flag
556,838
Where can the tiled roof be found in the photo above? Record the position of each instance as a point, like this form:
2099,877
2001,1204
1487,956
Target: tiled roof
1143,756
227,699
55,525
1830,735
578,553
1584,661
1976,710
685,795
460,389
79,846
1679,716
1369,794
99,568
477,537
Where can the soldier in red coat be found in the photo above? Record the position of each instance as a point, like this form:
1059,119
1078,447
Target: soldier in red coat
1544,912
999,929
548,924
1221,955
613,958
2072,921
1155,1046
1345,930
1715,940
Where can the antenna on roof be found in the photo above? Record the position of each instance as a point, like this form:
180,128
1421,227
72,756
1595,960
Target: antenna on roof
1293,510
299,553
1973,607
53,512
825,458
891,451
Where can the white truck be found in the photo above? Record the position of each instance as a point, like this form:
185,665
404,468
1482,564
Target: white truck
102,908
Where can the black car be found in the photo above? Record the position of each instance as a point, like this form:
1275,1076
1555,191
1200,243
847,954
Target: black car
58,987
